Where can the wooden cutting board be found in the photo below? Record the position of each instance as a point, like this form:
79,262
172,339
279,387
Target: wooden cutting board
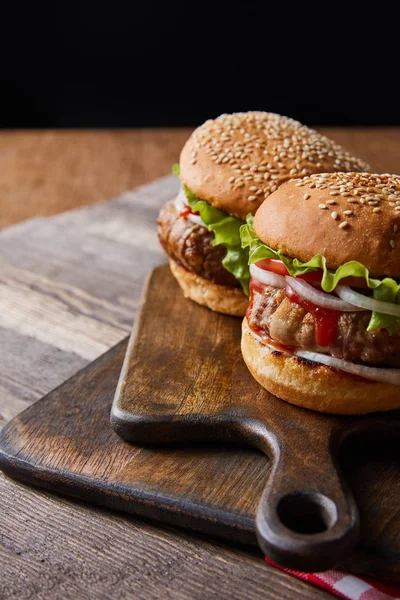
65,443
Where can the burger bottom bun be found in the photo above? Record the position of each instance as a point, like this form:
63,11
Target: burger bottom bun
314,386
220,298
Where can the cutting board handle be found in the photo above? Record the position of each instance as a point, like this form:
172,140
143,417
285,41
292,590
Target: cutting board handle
307,518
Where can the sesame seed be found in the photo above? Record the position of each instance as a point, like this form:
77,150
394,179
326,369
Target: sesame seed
334,193
343,224
323,206
260,136
392,243
334,215
252,198
397,208
252,188
239,184
306,196
347,212
376,209
331,201
231,179
395,228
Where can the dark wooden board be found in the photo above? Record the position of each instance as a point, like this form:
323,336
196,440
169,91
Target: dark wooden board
184,380
64,443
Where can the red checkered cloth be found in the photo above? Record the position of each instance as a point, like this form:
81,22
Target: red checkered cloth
345,585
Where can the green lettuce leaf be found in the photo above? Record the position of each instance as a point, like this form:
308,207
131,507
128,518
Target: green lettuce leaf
226,231
387,290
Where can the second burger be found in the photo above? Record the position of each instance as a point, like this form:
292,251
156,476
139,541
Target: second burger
228,167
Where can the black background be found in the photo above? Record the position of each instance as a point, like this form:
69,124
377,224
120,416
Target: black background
129,64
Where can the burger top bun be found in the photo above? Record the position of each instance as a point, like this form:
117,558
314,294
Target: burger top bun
343,216
236,161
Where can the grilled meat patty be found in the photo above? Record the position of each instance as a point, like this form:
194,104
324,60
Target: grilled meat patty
291,325
190,245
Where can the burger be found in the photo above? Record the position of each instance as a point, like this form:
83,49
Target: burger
322,329
227,168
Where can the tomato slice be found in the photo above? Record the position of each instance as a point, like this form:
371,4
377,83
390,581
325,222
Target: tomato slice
271,264
187,211
277,266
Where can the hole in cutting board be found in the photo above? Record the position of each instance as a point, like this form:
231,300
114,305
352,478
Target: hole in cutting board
307,512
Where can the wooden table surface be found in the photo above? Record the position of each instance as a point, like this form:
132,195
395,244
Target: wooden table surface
44,173
69,289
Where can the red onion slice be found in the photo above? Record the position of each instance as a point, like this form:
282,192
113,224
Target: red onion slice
196,219
181,203
308,292
267,277
391,376
349,295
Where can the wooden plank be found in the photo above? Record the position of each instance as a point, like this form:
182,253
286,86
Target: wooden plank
52,548
43,368
46,292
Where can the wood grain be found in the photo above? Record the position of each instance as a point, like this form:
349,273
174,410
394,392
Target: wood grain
47,172
57,549
70,287
64,442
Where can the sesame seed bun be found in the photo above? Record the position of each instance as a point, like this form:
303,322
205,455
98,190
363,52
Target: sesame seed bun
236,161
314,386
344,216
220,298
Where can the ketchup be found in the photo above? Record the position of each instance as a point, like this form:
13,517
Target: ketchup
257,286
326,320
187,211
